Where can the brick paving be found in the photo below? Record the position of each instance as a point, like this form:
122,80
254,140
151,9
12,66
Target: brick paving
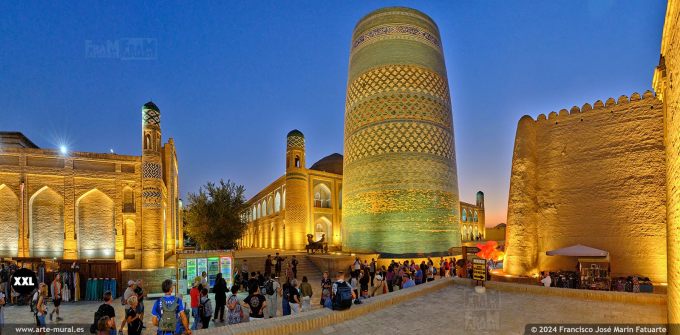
453,310
458,310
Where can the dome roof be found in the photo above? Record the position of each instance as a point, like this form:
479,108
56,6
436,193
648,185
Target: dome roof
151,105
331,163
295,132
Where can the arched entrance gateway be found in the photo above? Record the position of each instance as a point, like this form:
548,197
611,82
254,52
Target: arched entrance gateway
322,226
9,221
95,225
46,223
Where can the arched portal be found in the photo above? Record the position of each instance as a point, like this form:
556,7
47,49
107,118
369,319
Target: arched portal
9,221
95,225
46,223
322,196
322,226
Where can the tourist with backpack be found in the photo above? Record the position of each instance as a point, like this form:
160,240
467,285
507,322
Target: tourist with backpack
205,309
220,290
234,309
342,293
168,312
105,309
272,290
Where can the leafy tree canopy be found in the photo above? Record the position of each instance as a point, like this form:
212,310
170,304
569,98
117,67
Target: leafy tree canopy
213,215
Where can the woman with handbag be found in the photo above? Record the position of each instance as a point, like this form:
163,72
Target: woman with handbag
234,309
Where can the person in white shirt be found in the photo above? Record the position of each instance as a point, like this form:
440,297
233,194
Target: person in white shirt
204,280
546,281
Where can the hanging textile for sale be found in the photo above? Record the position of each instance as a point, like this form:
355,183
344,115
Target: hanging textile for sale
66,291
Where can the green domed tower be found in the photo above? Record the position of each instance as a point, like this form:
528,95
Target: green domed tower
400,187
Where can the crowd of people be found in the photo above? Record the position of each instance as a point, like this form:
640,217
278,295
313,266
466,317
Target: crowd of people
277,288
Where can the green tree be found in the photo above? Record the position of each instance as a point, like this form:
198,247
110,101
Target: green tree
213,215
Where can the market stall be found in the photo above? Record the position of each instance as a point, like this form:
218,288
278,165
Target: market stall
593,268
191,264
595,273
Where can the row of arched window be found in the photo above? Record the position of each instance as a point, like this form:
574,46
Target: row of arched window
267,206
469,216
273,204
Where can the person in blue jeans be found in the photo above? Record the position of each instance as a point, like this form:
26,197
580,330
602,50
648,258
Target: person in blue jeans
168,300
285,289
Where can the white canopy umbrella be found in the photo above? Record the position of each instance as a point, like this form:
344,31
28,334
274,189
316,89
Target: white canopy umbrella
578,251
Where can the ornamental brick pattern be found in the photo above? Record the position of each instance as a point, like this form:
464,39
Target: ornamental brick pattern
400,180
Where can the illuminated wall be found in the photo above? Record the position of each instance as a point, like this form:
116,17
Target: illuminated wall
593,176
667,85
400,180
46,224
81,205
9,221
96,226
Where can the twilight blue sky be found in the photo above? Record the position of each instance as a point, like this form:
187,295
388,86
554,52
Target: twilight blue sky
232,78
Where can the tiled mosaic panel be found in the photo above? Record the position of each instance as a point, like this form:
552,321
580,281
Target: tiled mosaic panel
398,106
416,137
151,170
151,117
402,31
296,142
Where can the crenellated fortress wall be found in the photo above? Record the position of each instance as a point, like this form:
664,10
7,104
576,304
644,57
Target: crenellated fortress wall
595,176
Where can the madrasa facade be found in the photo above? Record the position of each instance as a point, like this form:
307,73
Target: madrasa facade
309,200
70,205
397,179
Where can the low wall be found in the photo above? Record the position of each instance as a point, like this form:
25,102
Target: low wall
335,263
612,296
323,317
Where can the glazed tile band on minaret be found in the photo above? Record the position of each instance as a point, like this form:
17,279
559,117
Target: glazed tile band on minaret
400,192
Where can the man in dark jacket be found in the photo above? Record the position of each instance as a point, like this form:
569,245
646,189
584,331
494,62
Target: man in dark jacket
220,290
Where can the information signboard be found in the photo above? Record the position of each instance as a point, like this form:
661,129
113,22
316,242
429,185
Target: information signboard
225,268
478,269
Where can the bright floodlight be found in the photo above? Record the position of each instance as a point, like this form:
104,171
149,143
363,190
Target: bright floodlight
63,150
